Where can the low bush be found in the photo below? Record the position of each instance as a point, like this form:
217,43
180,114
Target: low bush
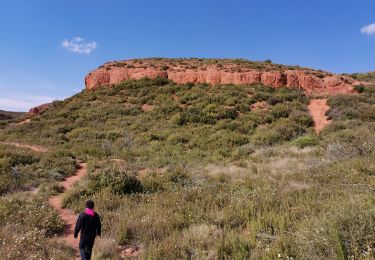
280,111
305,141
346,107
302,118
359,88
116,181
282,130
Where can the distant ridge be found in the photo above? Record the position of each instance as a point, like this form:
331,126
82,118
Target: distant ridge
7,115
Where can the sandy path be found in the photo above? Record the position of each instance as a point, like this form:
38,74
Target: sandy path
67,215
23,122
318,109
35,148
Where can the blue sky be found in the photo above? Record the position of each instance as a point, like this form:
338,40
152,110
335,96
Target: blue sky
37,65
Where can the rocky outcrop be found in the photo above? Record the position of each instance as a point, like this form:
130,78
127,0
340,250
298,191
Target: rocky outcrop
39,109
221,72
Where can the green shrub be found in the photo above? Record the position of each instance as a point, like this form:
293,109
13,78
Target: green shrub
118,182
305,141
75,195
281,130
178,138
302,118
359,88
50,189
61,163
345,107
153,182
280,111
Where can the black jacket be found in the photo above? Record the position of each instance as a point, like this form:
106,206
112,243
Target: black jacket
90,227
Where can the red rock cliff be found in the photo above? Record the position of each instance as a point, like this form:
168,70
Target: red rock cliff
214,72
39,109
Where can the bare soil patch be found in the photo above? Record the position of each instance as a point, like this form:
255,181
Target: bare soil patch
35,148
318,109
147,108
261,105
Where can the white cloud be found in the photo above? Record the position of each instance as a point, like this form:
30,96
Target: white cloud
368,29
23,103
79,45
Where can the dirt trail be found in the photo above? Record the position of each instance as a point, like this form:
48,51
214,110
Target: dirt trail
67,215
318,109
23,122
35,148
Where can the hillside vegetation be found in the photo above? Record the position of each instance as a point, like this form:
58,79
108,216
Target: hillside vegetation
369,76
196,171
193,63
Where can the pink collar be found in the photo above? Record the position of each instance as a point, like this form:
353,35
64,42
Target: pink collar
89,212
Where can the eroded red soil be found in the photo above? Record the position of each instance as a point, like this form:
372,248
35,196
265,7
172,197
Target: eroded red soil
318,109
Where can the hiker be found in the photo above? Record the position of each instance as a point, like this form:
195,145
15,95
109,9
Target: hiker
89,224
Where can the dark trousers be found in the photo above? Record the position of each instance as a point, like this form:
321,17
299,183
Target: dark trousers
85,247
85,253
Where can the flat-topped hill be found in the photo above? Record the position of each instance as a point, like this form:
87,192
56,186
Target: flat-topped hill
222,71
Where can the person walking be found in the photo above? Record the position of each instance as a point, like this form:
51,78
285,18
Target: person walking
88,223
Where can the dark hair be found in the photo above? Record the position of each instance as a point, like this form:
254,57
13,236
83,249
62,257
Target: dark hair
90,204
